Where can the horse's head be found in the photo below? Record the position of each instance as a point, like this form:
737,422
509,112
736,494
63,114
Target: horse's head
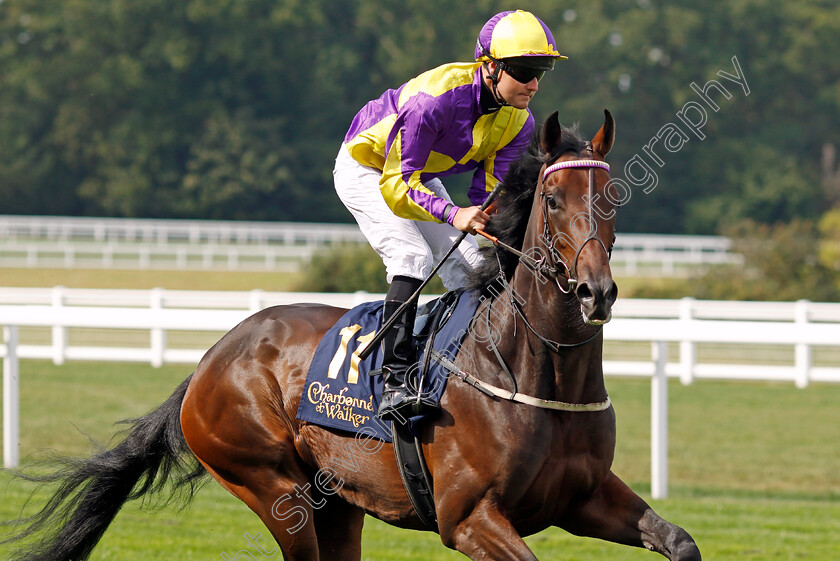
578,217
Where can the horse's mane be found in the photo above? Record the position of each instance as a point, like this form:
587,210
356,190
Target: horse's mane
514,208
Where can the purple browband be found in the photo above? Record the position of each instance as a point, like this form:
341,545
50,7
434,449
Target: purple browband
575,164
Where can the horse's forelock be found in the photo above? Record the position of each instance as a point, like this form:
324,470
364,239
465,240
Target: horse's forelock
570,141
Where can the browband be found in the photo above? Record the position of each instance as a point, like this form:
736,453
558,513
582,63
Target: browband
575,164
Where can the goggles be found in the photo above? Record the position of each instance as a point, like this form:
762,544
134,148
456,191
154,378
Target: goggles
522,74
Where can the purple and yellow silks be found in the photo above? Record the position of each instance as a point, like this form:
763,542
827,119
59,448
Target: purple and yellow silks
433,126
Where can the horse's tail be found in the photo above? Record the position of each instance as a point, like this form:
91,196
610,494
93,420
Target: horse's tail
92,490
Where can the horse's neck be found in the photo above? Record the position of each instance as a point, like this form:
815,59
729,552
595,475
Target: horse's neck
574,374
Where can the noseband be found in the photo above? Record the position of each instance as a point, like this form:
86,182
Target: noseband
556,258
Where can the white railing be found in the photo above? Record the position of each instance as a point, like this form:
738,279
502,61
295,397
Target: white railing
108,243
651,254
801,326
124,255
633,255
70,228
254,300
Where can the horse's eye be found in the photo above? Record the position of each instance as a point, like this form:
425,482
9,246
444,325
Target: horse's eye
552,204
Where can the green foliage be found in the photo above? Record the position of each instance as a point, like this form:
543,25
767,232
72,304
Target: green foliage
761,184
672,288
220,109
781,262
829,250
349,268
235,167
344,269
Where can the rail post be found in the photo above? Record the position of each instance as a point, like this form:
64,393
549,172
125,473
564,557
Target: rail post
659,423
11,399
255,300
59,333
688,349
803,356
157,334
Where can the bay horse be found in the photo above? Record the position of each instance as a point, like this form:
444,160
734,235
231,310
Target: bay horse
501,468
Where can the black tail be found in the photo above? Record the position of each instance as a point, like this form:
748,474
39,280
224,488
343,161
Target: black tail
92,490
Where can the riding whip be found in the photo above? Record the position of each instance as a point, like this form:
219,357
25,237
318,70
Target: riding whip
393,319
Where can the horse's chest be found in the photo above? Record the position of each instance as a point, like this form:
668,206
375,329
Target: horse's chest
556,469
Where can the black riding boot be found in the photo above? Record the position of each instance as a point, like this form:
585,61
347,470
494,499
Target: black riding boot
398,358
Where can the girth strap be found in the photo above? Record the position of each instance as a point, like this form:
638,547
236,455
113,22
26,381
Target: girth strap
414,473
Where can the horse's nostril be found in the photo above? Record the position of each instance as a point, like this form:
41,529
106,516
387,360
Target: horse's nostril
584,292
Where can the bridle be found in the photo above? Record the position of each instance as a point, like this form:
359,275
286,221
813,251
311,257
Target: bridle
556,259
554,265
552,269
550,265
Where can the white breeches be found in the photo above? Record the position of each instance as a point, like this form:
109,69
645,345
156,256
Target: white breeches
408,247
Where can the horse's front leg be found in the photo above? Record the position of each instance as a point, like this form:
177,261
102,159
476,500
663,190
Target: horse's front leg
615,513
484,534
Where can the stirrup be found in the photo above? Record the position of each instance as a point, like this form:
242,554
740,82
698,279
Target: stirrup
405,405
407,411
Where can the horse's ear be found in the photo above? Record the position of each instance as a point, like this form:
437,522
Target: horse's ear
603,141
550,136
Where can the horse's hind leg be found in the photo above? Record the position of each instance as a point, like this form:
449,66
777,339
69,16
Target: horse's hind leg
615,513
284,505
306,525
252,455
339,528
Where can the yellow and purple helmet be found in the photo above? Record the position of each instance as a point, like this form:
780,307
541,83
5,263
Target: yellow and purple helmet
518,35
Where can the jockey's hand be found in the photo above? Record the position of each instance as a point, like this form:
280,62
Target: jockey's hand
471,218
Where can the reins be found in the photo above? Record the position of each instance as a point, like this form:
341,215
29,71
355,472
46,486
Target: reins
552,270
555,346
539,265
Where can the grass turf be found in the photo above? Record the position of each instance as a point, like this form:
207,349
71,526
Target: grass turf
147,279
755,471
755,467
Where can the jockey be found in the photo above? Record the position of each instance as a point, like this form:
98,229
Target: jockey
459,117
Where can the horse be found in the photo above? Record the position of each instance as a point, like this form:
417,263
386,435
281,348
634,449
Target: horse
545,449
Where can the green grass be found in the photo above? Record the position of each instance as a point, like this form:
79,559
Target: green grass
755,470
754,467
630,287
140,279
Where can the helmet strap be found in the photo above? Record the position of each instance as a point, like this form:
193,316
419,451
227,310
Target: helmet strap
494,77
494,81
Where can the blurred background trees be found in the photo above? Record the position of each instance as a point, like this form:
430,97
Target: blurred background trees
235,110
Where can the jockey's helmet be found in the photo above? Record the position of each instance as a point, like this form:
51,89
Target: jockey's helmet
521,38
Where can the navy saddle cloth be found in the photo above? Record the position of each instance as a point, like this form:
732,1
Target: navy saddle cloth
339,392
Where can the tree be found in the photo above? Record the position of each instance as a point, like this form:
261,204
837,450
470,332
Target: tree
781,262
215,108
829,250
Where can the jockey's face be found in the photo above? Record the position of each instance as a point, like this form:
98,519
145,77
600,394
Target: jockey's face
516,93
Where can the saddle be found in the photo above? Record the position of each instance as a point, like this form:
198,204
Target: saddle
339,393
